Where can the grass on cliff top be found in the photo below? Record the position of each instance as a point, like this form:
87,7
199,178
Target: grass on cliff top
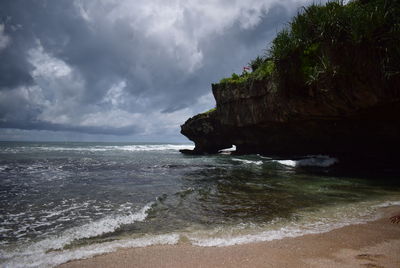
322,43
261,69
207,113
210,111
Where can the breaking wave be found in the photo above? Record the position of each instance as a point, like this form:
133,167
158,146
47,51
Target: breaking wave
100,148
315,222
310,161
48,252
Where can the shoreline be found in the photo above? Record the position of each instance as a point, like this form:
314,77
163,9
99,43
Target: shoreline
372,244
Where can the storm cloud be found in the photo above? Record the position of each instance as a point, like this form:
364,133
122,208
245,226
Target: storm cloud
136,69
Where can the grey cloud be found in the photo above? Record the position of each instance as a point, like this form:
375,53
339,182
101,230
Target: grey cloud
14,67
40,125
85,60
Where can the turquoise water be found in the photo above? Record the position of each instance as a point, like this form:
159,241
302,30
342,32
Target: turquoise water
62,201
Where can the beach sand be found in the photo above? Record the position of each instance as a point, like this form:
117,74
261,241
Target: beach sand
373,244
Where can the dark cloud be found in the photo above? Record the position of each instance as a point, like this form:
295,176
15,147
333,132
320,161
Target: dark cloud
17,70
41,125
124,67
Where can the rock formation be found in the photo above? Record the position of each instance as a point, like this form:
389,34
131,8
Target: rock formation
257,119
351,109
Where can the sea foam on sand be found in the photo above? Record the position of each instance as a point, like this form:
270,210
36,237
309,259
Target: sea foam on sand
50,252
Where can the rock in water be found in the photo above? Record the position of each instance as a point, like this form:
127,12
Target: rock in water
349,108
258,120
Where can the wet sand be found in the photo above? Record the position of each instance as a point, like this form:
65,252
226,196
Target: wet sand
373,244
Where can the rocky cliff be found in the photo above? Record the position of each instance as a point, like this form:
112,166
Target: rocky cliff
257,119
347,104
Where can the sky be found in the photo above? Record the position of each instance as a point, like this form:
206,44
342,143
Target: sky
123,70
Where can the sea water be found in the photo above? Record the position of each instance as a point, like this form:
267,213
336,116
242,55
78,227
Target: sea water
64,201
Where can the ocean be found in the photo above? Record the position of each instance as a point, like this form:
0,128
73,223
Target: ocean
64,201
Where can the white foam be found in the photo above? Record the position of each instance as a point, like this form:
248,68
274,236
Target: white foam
284,232
93,229
314,161
29,222
51,259
321,221
232,149
131,148
3,229
3,167
388,204
251,162
162,147
289,163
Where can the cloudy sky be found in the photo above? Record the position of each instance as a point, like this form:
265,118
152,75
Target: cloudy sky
123,70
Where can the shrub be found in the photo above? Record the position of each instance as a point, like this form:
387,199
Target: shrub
264,70
335,41
256,63
324,45
235,79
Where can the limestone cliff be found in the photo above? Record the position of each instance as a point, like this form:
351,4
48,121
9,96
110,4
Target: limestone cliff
258,120
322,97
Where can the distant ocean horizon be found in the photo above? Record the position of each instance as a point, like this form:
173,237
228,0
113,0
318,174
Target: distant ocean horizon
61,201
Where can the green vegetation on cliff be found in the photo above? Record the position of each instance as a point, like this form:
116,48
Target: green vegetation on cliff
209,112
332,47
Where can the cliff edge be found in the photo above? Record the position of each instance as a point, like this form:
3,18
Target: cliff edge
330,84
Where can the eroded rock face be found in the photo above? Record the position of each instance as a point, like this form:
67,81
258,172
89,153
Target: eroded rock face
257,118
207,133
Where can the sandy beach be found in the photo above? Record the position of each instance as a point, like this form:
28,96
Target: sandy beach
373,244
